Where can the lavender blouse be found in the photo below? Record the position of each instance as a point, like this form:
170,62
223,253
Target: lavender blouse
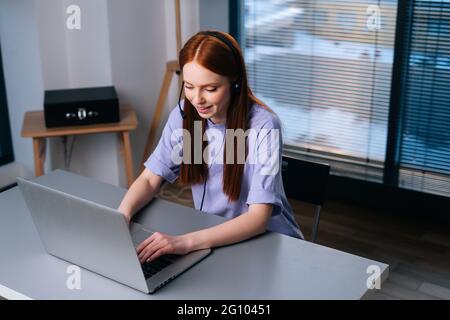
261,183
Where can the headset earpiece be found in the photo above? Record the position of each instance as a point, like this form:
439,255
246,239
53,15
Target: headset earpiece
235,86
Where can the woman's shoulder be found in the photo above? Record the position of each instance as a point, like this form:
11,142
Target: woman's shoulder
262,117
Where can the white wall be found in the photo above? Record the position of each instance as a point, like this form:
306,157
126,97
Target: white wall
73,59
214,15
123,43
190,25
88,49
22,71
137,46
52,43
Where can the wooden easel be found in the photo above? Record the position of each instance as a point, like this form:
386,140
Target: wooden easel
172,67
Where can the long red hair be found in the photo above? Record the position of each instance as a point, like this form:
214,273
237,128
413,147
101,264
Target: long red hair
214,55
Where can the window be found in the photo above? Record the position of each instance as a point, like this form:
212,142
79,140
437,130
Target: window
437,26
328,77
6,152
424,146
327,69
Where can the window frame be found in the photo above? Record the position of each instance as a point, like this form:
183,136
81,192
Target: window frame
7,155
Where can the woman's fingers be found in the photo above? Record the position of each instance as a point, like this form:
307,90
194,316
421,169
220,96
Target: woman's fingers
150,245
151,249
158,253
145,243
159,244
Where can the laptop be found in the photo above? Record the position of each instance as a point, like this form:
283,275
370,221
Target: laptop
99,239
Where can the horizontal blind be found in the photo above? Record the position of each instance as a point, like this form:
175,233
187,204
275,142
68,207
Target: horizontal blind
325,68
425,144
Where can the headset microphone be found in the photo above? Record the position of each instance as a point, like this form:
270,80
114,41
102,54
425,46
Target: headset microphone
183,114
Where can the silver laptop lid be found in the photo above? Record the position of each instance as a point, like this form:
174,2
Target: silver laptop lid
88,234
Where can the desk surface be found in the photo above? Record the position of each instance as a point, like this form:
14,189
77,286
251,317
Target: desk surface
34,125
271,266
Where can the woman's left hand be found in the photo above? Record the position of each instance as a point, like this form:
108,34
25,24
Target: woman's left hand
159,244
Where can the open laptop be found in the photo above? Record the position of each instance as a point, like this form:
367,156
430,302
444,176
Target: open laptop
98,238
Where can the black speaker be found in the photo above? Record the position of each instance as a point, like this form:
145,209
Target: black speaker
81,106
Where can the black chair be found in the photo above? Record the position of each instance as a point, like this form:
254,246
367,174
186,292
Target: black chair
307,182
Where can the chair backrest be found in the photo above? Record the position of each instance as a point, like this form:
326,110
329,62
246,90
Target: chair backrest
304,180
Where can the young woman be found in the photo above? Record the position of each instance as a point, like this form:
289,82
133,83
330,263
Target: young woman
225,182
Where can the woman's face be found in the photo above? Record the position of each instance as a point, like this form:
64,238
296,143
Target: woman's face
208,92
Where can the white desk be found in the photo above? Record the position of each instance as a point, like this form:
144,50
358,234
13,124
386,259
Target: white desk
272,266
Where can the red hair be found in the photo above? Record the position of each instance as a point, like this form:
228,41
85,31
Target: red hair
214,55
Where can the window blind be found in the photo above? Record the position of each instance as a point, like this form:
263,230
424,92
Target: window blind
425,130
325,68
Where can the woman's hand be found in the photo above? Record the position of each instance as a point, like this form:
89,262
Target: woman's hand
159,244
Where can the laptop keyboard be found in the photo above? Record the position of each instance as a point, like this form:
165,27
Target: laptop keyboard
153,267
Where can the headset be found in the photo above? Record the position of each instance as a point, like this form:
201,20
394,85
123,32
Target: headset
235,86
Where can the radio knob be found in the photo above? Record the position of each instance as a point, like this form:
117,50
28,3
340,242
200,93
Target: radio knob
81,113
